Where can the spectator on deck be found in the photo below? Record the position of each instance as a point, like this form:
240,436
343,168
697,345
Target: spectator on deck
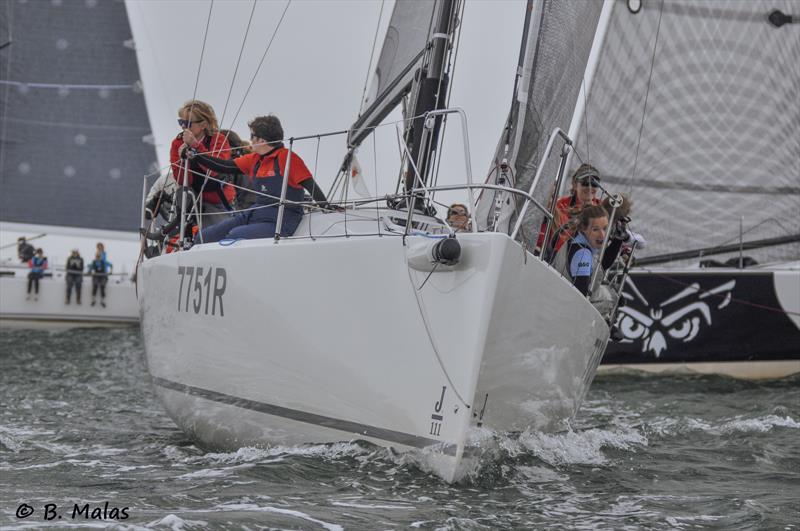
99,268
37,265
74,275
25,250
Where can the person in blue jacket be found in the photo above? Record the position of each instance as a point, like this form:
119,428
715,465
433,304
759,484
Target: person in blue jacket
99,268
581,252
37,265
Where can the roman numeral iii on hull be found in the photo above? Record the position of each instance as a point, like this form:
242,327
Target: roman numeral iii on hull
195,291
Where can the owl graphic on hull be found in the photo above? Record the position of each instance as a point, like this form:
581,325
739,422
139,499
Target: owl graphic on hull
675,320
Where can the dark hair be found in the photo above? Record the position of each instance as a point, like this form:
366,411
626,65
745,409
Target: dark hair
267,128
589,213
238,146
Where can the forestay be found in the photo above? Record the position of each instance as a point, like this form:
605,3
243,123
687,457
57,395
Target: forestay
694,112
555,49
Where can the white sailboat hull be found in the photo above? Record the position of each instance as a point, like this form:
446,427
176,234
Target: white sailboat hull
50,309
252,345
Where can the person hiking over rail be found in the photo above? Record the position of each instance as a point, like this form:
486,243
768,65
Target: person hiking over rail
265,167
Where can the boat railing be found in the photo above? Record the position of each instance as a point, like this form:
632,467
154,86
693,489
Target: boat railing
526,196
11,269
557,132
193,205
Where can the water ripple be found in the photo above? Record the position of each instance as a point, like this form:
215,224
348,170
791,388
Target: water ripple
678,452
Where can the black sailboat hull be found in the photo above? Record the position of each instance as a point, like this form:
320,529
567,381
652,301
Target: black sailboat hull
730,321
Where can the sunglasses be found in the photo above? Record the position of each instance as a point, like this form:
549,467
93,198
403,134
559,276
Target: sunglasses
592,184
456,213
186,124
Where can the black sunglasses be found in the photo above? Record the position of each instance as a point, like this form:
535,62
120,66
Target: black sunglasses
186,124
457,213
593,184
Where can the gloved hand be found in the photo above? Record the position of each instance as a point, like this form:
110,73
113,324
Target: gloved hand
185,152
621,230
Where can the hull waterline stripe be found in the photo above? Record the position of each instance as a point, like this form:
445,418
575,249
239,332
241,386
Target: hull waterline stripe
68,317
356,428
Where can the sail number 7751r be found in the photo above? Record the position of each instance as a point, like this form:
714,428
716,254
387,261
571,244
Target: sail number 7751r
195,290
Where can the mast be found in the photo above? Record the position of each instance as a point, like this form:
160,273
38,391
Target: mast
429,92
412,69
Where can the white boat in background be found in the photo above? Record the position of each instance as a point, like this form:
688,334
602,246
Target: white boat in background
65,181
376,321
17,309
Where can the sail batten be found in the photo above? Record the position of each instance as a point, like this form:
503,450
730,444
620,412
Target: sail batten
704,187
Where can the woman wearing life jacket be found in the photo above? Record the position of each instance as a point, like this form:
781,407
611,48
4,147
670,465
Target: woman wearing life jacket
265,168
585,182
37,265
576,260
200,132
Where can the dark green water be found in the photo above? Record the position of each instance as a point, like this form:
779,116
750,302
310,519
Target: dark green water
79,425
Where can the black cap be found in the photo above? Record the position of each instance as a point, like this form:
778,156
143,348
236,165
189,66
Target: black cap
586,173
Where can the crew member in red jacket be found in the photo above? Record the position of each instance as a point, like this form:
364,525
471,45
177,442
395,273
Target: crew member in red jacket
265,168
585,182
200,132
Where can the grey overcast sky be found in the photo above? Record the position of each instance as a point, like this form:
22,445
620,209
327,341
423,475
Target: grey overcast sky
314,73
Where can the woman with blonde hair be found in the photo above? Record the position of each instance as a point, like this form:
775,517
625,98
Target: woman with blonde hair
200,131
